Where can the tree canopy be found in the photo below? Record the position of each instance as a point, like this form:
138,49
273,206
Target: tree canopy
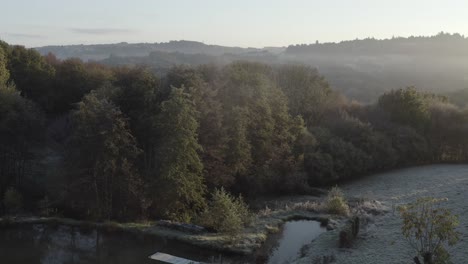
123,143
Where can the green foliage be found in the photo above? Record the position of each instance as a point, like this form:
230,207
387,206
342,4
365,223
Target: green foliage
407,107
13,201
249,127
226,213
336,203
333,158
178,187
211,133
104,181
21,133
309,94
239,156
4,73
136,92
262,137
73,79
31,73
429,229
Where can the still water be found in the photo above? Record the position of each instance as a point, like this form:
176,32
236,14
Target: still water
46,244
57,244
285,246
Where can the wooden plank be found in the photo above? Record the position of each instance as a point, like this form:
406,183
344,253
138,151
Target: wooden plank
171,259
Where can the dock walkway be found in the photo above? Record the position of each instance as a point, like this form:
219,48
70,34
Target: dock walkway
172,259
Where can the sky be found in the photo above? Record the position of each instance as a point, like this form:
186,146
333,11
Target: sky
243,23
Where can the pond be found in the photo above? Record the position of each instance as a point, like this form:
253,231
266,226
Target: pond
286,245
57,244
46,244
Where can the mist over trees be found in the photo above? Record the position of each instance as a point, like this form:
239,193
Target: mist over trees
123,143
361,69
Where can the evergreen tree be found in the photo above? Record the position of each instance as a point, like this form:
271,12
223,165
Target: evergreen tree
212,137
103,182
178,188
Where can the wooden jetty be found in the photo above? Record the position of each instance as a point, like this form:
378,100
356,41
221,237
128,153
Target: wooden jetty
166,258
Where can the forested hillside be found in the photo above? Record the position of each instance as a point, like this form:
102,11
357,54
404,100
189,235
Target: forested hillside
103,142
360,69
102,51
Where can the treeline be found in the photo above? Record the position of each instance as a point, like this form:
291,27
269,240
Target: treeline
102,51
120,143
442,44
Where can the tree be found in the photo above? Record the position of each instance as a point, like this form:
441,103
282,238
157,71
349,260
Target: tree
238,151
332,158
178,188
70,85
365,137
137,92
309,94
4,73
406,107
21,132
103,183
31,73
226,213
429,229
201,85
447,132
262,135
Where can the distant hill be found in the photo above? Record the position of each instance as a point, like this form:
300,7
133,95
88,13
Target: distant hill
361,69
103,51
442,44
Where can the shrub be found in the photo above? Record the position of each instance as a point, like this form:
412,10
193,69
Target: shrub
336,203
13,201
226,213
429,229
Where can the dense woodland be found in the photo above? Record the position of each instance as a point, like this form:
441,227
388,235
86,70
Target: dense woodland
100,142
361,69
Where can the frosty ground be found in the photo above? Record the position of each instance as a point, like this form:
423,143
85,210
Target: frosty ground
381,240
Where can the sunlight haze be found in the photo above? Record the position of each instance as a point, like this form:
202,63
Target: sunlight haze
231,23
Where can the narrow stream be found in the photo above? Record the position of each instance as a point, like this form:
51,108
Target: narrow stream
286,245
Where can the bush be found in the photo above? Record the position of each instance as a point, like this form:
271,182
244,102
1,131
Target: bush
336,203
226,213
13,201
429,229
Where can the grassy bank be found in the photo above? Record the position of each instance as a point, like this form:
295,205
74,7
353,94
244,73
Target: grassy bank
245,243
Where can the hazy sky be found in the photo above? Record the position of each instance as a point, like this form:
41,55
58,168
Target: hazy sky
254,23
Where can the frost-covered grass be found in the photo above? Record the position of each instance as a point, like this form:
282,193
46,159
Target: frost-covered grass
381,240
375,197
245,243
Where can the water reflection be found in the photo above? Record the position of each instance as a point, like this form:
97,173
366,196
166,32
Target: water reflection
45,244
49,244
286,245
